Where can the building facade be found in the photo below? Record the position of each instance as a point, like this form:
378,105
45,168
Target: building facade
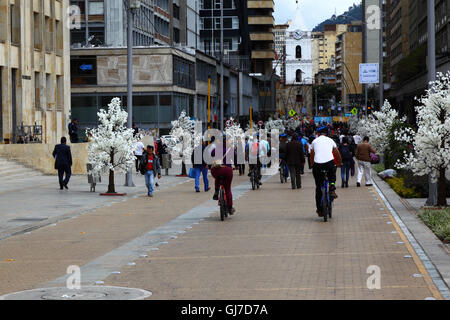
279,63
34,71
348,58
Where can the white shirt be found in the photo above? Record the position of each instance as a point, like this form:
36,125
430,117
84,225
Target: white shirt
323,149
357,139
139,148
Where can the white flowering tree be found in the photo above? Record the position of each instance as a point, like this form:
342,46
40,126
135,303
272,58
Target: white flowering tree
112,144
431,141
275,124
292,123
378,126
185,138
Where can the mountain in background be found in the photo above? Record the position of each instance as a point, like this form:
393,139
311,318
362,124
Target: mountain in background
355,12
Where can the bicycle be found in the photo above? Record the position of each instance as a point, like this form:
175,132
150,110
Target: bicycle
254,177
326,201
223,201
282,169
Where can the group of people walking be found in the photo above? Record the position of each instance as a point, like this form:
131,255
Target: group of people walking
329,147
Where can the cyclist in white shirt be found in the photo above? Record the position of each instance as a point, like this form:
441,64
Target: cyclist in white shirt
324,151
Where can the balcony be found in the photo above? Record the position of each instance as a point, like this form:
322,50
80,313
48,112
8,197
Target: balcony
263,54
261,4
261,20
262,36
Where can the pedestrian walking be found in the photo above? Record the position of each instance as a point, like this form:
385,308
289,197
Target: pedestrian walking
363,151
240,149
63,163
200,167
138,152
295,159
73,131
347,157
151,168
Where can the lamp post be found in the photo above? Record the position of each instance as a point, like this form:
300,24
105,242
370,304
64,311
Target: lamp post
133,7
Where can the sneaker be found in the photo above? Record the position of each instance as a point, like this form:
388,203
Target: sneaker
207,189
216,196
320,213
358,184
65,186
232,211
346,184
369,185
150,195
197,190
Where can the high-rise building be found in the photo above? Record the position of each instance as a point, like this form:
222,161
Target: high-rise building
280,48
348,58
260,25
34,71
407,29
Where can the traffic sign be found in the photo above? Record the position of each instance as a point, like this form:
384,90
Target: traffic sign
292,113
354,111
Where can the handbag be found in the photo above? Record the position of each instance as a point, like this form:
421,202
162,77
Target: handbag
374,159
192,173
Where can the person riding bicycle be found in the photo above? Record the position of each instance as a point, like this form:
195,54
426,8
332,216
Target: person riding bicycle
325,156
222,172
253,156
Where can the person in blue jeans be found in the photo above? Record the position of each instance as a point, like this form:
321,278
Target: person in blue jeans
200,168
347,156
150,167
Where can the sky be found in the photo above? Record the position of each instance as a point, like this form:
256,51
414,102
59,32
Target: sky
314,11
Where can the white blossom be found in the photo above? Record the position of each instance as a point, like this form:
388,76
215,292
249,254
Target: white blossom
275,124
112,145
431,141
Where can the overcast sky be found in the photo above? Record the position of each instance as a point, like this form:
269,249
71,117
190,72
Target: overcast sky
314,11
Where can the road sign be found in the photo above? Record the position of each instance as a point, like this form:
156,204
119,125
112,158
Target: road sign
292,113
369,73
354,111
86,67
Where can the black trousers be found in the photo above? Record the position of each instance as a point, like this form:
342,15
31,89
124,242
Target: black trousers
138,162
330,167
61,171
241,168
295,173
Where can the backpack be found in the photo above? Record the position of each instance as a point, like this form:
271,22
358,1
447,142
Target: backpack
345,153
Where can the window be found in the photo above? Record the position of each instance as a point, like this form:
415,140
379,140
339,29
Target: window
49,47
183,73
298,52
176,35
59,38
59,92
50,91
83,70
298,75
3,33
176,11
96,7
15,24
37,91
37,31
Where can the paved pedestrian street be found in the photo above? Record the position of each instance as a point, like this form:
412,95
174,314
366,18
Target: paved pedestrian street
275,247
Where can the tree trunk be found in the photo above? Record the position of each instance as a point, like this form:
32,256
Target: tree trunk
183,169
111,186
442,199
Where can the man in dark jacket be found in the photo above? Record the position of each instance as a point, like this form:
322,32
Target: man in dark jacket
295,159
150,167
63,162
73,131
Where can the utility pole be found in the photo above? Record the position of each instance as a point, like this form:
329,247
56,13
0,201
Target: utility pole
381,56
86,19
432,186
221,66
133,6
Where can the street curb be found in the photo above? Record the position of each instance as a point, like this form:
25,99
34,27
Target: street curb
427,246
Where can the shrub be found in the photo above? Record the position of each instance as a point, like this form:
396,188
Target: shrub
398,185
378,167
438,221
419,183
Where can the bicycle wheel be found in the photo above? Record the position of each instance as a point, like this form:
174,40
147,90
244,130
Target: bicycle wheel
324,205
222,205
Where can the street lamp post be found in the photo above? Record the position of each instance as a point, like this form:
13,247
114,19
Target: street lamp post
133,6
432,186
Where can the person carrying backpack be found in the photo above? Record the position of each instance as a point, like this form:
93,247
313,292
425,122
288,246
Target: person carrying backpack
347,157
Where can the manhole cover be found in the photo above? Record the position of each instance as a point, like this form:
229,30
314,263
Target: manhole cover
85,293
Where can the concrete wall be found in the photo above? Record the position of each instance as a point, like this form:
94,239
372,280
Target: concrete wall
39,156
